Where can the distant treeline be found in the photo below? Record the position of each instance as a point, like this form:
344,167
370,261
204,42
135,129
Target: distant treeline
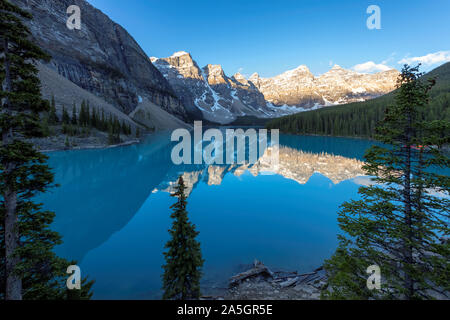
81,121
249,121
361,118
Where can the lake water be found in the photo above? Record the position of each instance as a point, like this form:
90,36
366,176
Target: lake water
112,209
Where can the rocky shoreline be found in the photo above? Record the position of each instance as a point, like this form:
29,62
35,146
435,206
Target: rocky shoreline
64,143
261,283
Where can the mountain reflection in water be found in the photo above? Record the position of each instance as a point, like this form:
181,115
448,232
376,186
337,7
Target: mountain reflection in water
293,164
112,209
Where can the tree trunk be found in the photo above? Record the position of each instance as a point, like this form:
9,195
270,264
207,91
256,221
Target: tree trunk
409,282
13,281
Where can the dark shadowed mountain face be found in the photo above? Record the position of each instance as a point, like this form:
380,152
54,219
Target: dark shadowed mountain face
101,57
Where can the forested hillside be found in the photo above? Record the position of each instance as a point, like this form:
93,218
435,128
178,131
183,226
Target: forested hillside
360,119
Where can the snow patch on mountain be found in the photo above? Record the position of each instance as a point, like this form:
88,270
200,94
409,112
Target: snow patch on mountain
179,54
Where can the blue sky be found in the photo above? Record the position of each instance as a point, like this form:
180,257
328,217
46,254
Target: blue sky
270,37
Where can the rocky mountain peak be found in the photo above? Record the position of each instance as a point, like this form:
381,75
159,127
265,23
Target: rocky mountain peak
254,77
222,99
339,71
179,54
300,70
337,67
214,74
180,59
238,75
240,78
181,63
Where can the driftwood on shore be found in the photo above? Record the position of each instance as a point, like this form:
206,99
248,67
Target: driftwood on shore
259,269
289,282
283,278
308,278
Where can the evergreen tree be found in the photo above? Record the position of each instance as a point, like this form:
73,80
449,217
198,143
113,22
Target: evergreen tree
94,118
28,267
110,122
113,130
45,127
74,120
399,222
124,128
112,137
85,115
52,117
82,117
103,121
65,116
116,126
182,271
88,114
85,293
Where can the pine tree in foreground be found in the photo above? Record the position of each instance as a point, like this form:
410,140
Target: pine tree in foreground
182,272
401,222
29,268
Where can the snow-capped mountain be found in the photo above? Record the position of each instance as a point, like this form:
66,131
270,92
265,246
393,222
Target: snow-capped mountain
300,88
210,93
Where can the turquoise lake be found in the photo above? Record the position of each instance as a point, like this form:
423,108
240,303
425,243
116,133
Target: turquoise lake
112,209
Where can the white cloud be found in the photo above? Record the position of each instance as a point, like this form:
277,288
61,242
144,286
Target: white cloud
370,67
429,59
